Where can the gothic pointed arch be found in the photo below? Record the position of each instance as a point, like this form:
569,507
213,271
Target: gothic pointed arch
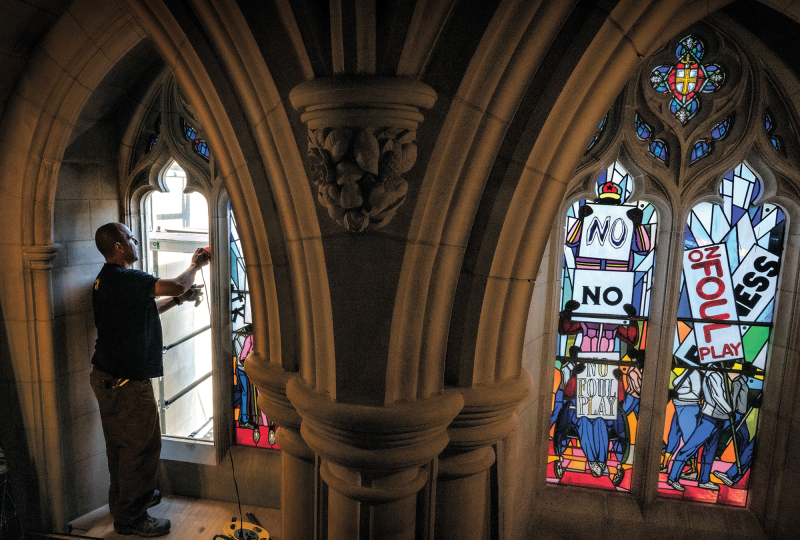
696,122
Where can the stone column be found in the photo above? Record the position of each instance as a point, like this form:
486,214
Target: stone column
462,488
44,378
373,459
298,461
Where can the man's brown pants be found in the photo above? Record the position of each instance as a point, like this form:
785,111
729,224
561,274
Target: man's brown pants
129,415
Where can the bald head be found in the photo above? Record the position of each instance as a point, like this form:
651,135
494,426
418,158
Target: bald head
106,237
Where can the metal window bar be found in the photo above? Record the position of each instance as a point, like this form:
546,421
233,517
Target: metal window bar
176,397
185,338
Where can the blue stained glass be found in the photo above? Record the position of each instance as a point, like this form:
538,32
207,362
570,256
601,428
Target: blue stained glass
768,124
776,143
605,303
733,354
691,45
732,245
700,150
647,213
202,148
683,307
715,78
658,149
684,111
720,131
766,315
642,129
151,144
189,132
658,78
598,133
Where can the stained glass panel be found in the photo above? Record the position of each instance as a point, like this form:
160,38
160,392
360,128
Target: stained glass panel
686,78
253,428
609,256
659,150
597,134
657,147
700,150
198,145
731,263
769,127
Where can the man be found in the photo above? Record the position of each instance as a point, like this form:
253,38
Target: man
716,410
128,353
686,396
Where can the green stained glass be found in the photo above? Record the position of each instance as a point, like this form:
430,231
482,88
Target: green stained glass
731,265
754,340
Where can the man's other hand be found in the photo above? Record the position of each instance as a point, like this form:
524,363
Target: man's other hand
201,257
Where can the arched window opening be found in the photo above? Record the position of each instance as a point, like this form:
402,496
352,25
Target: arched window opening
176,224
607,274
732,258
716,291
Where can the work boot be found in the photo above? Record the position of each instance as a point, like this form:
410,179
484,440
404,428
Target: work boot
149,527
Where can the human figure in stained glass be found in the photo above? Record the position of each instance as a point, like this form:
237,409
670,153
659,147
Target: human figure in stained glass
686,396
732,259
718,408
607,242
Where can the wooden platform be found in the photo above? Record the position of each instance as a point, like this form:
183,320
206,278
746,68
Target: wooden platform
192,519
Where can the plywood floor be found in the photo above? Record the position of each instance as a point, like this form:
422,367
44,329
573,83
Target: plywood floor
192,519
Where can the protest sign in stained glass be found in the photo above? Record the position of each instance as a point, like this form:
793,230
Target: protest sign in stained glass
607,274
731,263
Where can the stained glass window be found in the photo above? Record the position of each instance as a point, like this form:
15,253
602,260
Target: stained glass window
731,263
253,428
704,147
597,134
609,256
687,78
720,131
769,127
657,147
700,149
198,145
154,138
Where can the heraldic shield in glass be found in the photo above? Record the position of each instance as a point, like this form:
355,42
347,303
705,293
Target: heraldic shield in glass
609,256
731,264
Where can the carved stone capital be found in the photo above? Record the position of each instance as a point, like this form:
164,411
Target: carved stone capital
379,440
361,140
271,381
41,257
489,413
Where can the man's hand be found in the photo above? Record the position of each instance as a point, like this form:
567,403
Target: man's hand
635,215
200,258
194,294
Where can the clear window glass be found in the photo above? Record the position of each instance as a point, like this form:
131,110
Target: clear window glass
176,225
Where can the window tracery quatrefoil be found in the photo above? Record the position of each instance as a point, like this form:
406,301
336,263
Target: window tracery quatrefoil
686,79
